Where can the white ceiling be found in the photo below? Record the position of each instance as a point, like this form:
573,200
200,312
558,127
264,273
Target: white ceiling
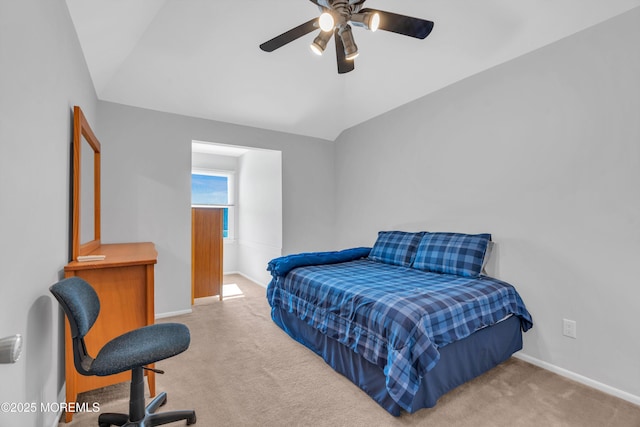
201,58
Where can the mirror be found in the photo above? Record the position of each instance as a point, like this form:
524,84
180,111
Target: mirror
87,199
86,187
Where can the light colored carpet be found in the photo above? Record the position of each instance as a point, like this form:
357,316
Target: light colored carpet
242,370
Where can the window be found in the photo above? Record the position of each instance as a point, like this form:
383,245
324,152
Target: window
214,189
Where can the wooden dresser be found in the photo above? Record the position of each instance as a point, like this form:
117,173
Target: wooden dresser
124,283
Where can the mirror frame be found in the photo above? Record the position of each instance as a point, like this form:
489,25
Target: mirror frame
81,129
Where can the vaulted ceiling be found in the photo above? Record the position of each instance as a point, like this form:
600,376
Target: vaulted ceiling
201,58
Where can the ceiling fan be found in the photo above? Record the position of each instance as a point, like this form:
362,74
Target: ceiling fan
336,20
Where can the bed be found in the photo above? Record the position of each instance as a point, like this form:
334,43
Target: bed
406,320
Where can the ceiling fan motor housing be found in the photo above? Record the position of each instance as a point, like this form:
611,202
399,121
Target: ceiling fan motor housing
341,10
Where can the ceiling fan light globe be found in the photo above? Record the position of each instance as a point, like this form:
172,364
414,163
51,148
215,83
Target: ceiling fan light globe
319,44
374,22
350,48
316,49
368,20
326,21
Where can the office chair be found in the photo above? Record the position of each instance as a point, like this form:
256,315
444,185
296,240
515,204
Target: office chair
130,351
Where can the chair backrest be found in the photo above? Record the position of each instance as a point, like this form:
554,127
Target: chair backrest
82,306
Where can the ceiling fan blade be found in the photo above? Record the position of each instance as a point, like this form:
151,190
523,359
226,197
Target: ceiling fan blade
401,24
344,65
289,36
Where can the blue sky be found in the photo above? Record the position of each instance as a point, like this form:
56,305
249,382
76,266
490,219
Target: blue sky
209,190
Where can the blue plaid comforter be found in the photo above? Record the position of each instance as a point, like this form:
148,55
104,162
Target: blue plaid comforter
395,317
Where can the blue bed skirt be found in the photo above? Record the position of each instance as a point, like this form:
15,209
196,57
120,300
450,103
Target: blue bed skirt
459,362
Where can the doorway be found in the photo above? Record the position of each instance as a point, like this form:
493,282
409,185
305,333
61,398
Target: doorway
253,211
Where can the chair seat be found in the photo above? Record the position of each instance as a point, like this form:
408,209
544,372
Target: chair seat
141,347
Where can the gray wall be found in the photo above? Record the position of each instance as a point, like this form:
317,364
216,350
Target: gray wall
544,153
259,212
146,187
42,76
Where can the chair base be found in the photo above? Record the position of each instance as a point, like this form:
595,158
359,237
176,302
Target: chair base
150,417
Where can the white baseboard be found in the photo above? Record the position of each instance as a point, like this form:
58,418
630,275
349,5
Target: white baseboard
232,272
580,378
257,282
172,313
62,397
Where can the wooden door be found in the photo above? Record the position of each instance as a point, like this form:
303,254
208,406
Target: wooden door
206,252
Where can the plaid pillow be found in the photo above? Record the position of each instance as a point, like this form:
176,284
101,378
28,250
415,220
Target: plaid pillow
452,253
396,247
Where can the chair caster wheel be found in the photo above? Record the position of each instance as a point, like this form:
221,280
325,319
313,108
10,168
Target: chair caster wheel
191,420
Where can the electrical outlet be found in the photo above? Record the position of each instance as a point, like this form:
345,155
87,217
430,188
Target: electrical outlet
569,328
